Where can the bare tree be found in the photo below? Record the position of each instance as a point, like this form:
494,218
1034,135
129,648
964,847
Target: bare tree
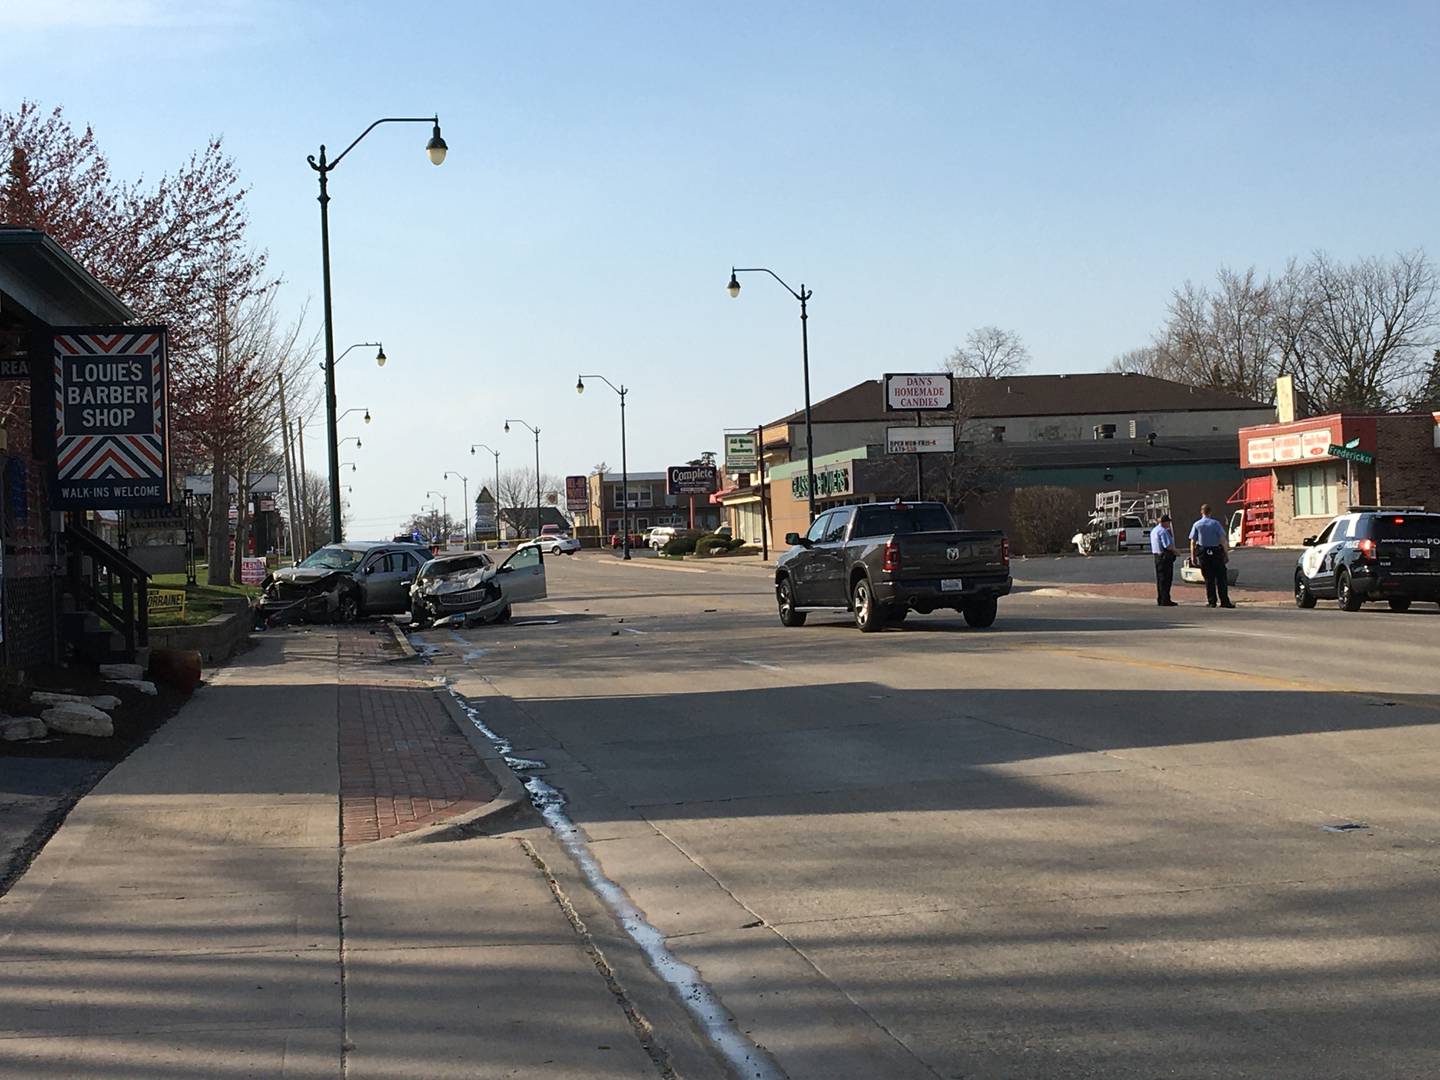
1043,518
1224,339
989,353
1145,360
1365,335
517,492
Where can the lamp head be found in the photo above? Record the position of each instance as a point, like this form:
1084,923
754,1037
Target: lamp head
367,416
507,427
579,385
380,357
352,466
358,444
436,147
734,287
472,451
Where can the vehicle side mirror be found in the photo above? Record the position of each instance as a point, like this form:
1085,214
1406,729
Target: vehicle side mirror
370,569
794,539
1309,541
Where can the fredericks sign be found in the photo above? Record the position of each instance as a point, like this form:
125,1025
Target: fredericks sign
111,417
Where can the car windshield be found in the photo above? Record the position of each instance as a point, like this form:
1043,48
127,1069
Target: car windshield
333,558
1407,526
888,520
436,568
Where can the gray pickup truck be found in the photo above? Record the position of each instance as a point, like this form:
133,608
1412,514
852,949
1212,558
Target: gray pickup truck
883,560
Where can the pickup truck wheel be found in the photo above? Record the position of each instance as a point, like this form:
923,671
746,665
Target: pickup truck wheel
868,615
785,597
980,612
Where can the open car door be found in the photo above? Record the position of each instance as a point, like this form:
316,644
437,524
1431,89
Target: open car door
521,577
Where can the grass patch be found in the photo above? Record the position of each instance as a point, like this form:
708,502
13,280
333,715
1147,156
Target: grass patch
202,602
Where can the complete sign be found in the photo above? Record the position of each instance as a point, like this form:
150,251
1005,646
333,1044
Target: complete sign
111,417
690,479
920,440
577,493
908,393
740,452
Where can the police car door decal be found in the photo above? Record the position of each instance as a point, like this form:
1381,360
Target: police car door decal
1311,560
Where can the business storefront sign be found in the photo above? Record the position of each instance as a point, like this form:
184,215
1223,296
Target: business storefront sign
740,453
831,482
484,519
112,445
691,479
577,493
1280,445
14,356
912,392
920,440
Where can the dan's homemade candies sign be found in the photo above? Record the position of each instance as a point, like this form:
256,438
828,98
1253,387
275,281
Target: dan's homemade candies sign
112,417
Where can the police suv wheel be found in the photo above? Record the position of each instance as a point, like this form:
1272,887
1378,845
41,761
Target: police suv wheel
1345,594
1304,598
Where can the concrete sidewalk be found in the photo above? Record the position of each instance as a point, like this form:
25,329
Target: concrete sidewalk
197,915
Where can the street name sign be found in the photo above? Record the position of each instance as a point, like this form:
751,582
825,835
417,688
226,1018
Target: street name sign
920,440
1346,453
112,417
922,392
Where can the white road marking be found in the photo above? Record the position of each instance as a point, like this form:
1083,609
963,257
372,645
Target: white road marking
632,630
759,664
455,637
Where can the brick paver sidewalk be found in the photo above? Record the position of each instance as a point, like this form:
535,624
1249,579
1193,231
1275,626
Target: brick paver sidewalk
403,764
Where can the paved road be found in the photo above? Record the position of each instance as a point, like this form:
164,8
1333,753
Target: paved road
1090,842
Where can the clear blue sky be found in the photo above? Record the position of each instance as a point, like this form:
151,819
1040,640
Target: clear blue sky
926,168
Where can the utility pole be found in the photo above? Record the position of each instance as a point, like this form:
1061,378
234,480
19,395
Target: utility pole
304,489
289,465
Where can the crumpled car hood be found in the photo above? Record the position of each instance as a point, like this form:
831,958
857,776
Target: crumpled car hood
303,575
472,579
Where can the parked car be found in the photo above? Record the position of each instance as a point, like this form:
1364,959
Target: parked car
342,582
553,544
1371,554
1133,533
551,530
470,588
661,535
881,561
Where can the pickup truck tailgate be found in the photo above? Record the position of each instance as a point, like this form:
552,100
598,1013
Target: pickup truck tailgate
934,555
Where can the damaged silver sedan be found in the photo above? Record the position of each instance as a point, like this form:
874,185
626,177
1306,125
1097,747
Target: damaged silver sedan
343,582
470,588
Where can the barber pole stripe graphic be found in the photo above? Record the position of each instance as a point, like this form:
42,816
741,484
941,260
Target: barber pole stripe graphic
136,456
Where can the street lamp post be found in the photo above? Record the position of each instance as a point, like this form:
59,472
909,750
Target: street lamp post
482,446
465,482
733,288
347,412
536,430
624,468
436,150
444,508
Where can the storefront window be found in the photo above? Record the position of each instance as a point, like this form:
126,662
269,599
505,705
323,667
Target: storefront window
1315,490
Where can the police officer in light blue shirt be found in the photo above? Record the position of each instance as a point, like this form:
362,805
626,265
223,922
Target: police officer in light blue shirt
1208,550
1162,546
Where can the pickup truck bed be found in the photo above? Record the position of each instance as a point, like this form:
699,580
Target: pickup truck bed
884,560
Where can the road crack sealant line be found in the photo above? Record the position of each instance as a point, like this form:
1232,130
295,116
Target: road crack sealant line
703,1004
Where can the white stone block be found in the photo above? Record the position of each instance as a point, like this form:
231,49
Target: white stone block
15,728
145,686
76,719
52,697
122,671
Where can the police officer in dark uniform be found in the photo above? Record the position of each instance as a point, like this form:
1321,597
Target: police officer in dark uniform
1209,551
1162,546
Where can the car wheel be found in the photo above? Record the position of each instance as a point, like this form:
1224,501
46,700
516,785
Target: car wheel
868,614
980,612
418,619
1401,604
1345,594
785,598
504,615
1304,598
347,609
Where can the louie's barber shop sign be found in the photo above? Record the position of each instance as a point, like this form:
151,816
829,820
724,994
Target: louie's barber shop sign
112,446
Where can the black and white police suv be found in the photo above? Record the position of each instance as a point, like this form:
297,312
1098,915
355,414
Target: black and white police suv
1373,553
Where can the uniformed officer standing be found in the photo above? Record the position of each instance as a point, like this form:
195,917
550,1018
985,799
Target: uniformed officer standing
1208,549
1162,546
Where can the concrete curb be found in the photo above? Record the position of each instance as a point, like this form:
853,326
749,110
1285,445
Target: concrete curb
510,802
404,642
1078,592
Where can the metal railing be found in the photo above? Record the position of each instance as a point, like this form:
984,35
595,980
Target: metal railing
109,584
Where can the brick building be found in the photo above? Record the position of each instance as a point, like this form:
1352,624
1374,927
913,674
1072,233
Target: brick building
41,286
1310,486
650,504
